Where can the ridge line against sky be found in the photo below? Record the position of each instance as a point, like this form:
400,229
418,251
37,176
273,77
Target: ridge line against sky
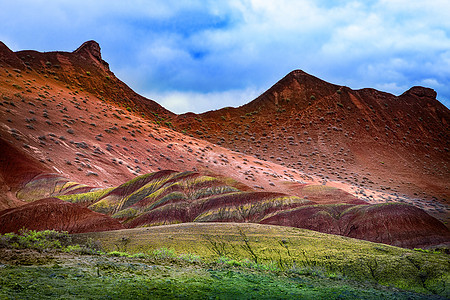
205,55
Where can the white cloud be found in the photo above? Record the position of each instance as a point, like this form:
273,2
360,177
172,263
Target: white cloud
181,102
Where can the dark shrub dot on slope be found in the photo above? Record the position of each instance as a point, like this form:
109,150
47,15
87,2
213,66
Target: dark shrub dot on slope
53,213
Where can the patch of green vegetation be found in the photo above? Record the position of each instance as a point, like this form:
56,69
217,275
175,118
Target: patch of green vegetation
89,197
37,240
127,213
210,191
152,189
118,254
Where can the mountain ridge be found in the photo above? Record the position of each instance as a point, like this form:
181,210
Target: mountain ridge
308,116
86,135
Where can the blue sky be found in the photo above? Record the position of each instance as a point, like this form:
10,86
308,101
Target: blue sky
204,55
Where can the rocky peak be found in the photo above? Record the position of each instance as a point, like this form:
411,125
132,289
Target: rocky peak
91,49
8,57
420,91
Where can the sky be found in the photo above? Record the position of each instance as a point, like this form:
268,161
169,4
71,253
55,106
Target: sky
204,55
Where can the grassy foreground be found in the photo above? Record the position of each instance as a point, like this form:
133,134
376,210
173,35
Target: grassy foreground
285,248
218,261
127,278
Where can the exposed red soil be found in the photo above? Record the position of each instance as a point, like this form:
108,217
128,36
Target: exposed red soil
73,120
53,213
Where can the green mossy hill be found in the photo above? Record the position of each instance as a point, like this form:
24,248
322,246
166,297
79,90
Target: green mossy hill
290,248
198,261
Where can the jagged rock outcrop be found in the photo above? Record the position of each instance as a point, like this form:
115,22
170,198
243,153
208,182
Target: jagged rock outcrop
91,50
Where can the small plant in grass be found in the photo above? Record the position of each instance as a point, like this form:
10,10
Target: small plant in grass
223,260
119,254
247,247
139,255
89,247
189,257
122,244
164,253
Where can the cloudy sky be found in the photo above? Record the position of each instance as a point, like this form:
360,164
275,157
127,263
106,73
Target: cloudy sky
203,55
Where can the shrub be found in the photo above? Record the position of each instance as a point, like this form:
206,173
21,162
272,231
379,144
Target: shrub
38,240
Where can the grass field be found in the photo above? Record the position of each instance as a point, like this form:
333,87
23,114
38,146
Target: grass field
214,261
288,249
125,278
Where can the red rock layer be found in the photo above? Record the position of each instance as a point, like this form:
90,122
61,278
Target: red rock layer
52,213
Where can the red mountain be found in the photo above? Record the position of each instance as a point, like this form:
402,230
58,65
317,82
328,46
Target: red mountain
370,139
330,157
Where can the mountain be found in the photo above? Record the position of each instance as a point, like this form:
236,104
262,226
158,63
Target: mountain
79,148
81,70
375,141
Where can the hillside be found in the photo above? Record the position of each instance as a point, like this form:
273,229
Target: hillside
69,129
169,197
372,140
